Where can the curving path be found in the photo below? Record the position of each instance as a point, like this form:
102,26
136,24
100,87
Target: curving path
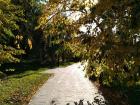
66,86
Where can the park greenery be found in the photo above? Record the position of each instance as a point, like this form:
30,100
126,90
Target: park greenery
103,33
18,89
110,43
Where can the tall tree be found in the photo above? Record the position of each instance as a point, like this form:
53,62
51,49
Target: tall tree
9,15
114,45
32,9
111,41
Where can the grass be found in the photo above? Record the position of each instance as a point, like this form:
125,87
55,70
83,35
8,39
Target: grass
18,89
23,82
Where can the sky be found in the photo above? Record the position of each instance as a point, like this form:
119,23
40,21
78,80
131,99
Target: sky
76,15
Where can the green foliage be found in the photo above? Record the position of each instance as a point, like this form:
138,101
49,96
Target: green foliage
32,9
8,54
56,40
10,14
8,17
114,48
111,42
18,20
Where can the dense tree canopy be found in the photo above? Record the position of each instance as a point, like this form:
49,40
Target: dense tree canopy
105,33
10,14
18,20
111,41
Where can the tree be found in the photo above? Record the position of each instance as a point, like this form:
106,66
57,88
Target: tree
9,15
18,20
111,41
57,34
113,49
32,9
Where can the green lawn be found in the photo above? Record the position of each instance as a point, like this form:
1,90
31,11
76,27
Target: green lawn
19,88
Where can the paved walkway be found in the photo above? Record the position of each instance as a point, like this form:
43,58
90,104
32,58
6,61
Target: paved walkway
66,86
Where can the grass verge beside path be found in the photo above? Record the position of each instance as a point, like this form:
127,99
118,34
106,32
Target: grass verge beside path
19,88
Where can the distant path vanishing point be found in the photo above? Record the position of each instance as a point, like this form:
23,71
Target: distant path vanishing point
68,85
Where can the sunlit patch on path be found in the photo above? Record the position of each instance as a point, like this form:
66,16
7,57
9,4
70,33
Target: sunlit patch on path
68,85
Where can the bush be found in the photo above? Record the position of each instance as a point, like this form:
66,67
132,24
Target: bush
109,77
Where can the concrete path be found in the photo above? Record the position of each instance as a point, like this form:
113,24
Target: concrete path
66,86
